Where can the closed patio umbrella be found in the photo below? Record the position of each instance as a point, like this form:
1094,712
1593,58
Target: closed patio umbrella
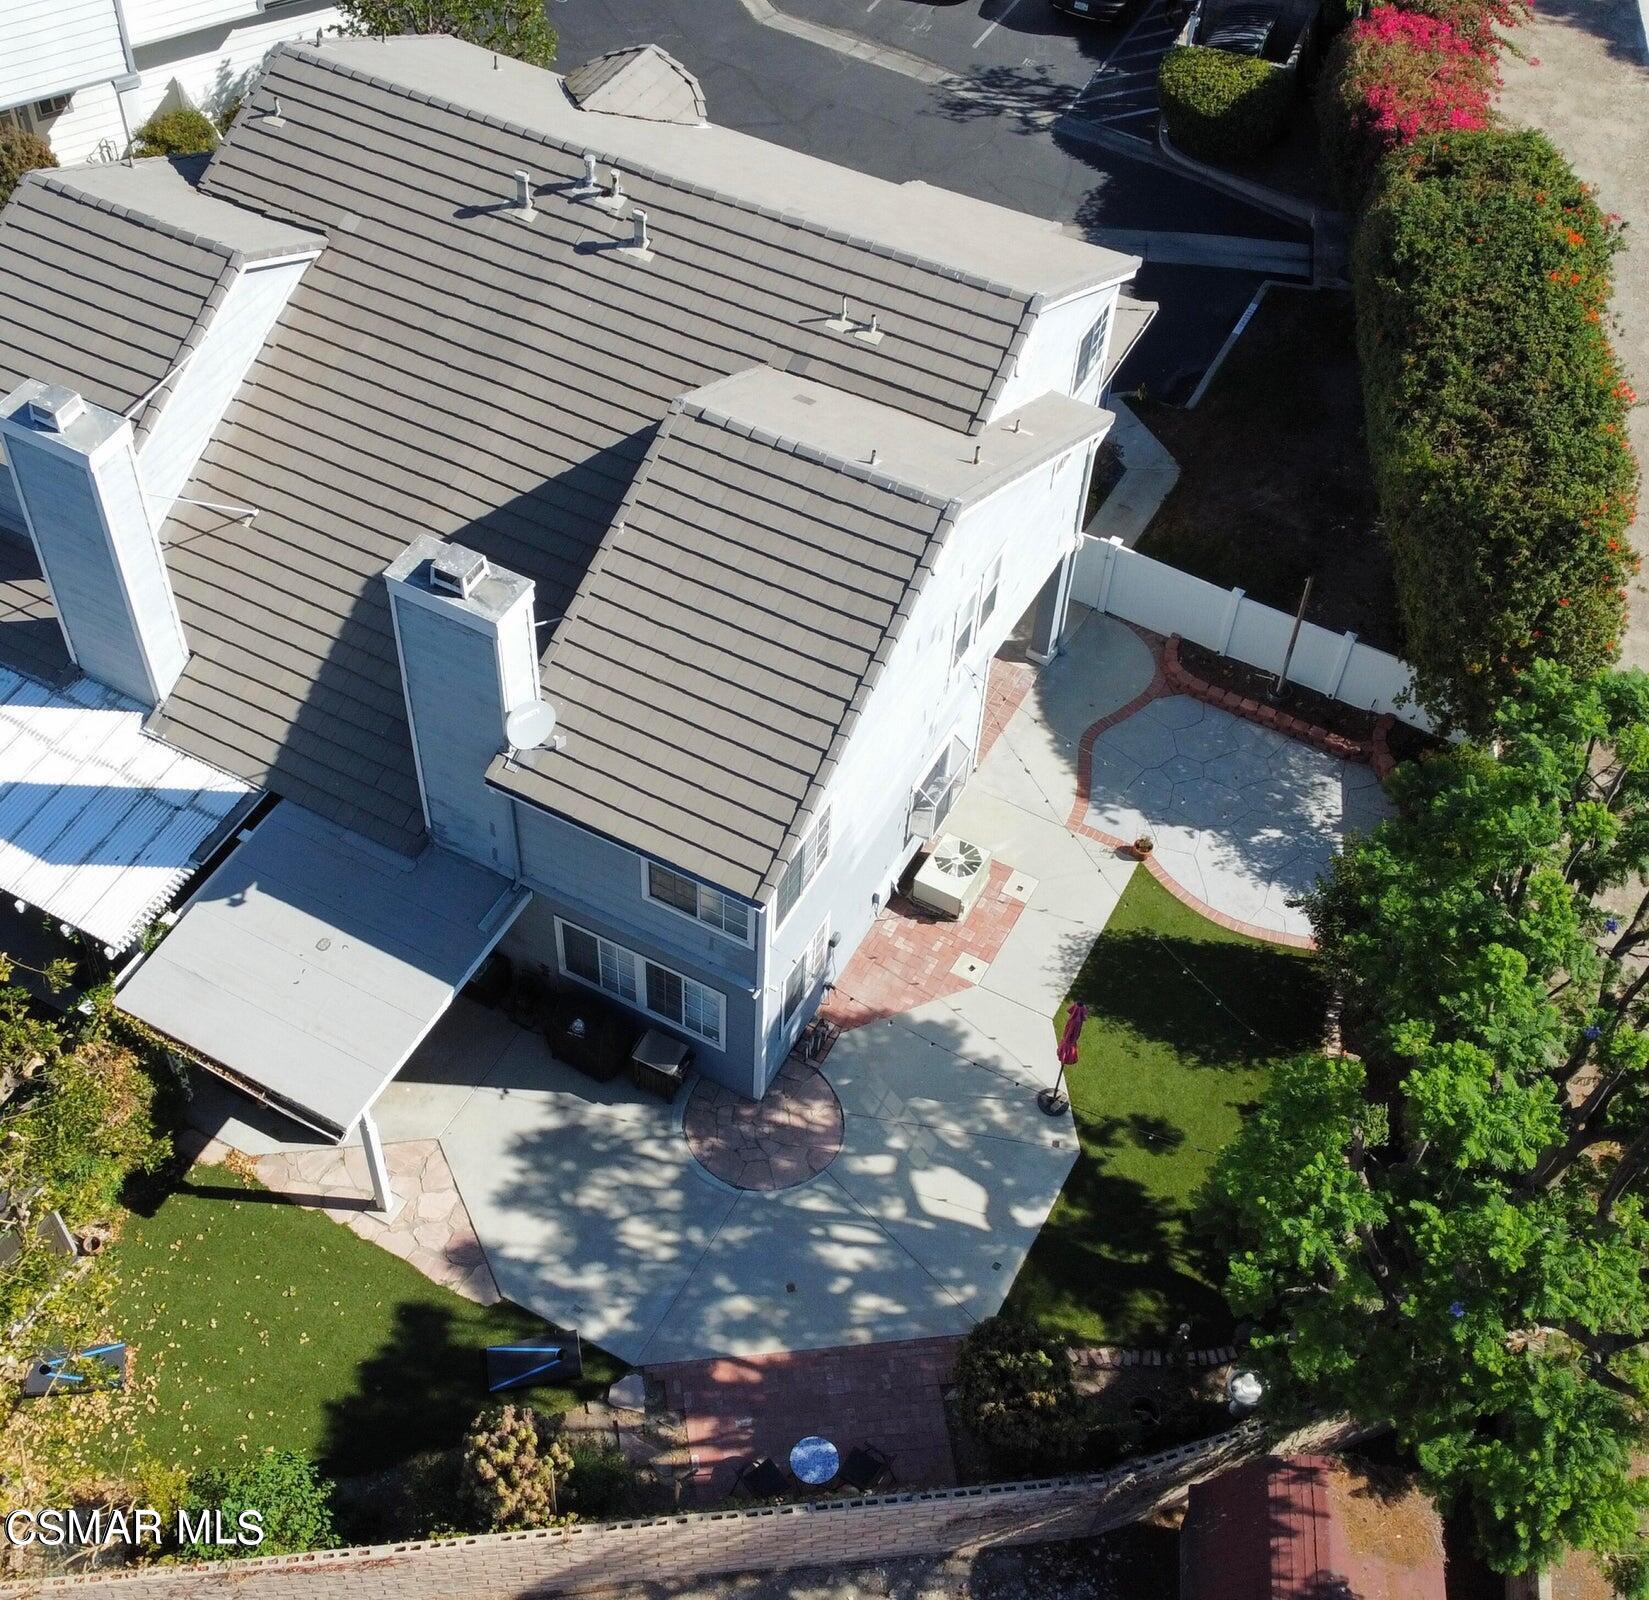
1054,1100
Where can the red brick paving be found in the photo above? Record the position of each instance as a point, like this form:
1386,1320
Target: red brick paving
740,1408
906,958
1006,685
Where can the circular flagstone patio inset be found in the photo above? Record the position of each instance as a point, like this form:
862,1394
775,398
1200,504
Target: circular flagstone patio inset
791,1135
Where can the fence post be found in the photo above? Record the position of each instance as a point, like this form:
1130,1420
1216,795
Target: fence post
1113,554
1229,626
1347,645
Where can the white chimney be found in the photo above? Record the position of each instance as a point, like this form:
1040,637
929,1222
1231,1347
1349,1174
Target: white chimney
76,475
469,664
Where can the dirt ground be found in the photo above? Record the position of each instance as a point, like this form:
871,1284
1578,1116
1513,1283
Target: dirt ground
1274,475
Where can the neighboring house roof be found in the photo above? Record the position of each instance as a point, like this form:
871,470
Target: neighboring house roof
710,669
1308,1528
643,81
445,368
100,825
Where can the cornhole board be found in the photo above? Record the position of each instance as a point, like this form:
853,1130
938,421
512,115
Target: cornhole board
47,1374
524,1366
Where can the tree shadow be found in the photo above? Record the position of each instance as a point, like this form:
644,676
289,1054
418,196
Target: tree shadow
428,1381
1616,24
1027,99
1215,1003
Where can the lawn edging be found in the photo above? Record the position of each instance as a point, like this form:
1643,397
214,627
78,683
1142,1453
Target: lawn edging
1374,752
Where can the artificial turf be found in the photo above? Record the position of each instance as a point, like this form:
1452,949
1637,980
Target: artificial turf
257,1324
1184,1021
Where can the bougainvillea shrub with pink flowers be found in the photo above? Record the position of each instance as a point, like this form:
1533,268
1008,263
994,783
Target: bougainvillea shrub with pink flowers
1496,414
1396,76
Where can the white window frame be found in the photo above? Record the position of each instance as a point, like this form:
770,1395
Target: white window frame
990,588
812,856
1091,348
746,939
966,623
638,965
811,963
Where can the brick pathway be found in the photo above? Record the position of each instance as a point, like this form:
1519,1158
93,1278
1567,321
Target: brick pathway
431,1230
792,1134
1006,685
912,956
740,1408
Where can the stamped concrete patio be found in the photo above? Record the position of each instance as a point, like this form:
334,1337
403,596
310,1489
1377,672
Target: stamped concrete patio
929,1167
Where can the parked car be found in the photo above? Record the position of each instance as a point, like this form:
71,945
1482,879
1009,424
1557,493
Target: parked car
1268,30
1093,10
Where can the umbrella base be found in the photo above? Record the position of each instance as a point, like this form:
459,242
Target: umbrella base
1053,1101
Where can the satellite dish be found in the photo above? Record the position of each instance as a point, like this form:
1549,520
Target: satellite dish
531,726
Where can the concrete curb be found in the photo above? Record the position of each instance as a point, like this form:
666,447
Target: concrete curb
1256,194
848,44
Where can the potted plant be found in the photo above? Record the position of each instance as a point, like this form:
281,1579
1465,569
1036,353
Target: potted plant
1144,845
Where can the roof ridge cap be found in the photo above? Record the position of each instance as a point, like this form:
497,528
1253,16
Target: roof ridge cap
846,465
578,148
60,184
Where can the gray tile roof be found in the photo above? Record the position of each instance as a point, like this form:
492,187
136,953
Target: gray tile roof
445,368
729,627
642,81
99,297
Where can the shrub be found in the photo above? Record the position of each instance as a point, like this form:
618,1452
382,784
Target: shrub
516,28
605,1482
1396,76
20,152
183,132
291,1497
514,1469
1016,1395
1472,19
1496,415
1222,107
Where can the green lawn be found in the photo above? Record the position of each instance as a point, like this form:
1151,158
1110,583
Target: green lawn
1168,1066
258,1324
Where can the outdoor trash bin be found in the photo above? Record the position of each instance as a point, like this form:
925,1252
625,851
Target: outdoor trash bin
522,1366
659,1063
53,1372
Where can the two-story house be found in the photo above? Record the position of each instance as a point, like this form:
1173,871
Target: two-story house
592,523
86,74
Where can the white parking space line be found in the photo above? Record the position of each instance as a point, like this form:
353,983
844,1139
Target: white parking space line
992,28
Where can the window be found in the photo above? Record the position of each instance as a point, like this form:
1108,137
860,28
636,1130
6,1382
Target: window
937,792
990,591
1092,349
804,865
656,990
962,639
698,900
808,970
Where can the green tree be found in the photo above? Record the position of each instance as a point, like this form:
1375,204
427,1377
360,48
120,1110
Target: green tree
20,152
514,1469
182,131
516,28
1448,1239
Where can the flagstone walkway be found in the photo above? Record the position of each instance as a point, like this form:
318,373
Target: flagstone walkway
792,1134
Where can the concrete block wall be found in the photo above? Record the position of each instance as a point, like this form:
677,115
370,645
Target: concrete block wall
767,1538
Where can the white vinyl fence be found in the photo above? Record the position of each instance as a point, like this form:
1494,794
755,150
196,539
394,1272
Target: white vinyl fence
1126,584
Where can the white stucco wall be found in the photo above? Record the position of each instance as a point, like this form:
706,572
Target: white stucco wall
208,383
1048,360
917,706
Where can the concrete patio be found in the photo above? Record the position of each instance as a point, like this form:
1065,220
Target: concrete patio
592,1209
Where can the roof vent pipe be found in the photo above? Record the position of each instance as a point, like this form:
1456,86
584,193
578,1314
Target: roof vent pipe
523,195
638,240
590,179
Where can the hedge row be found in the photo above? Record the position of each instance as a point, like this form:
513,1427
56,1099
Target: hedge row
1222,107
1496,413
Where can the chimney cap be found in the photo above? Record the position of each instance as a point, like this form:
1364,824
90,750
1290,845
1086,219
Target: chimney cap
457,571
54,407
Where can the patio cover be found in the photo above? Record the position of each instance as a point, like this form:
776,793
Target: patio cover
312,963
